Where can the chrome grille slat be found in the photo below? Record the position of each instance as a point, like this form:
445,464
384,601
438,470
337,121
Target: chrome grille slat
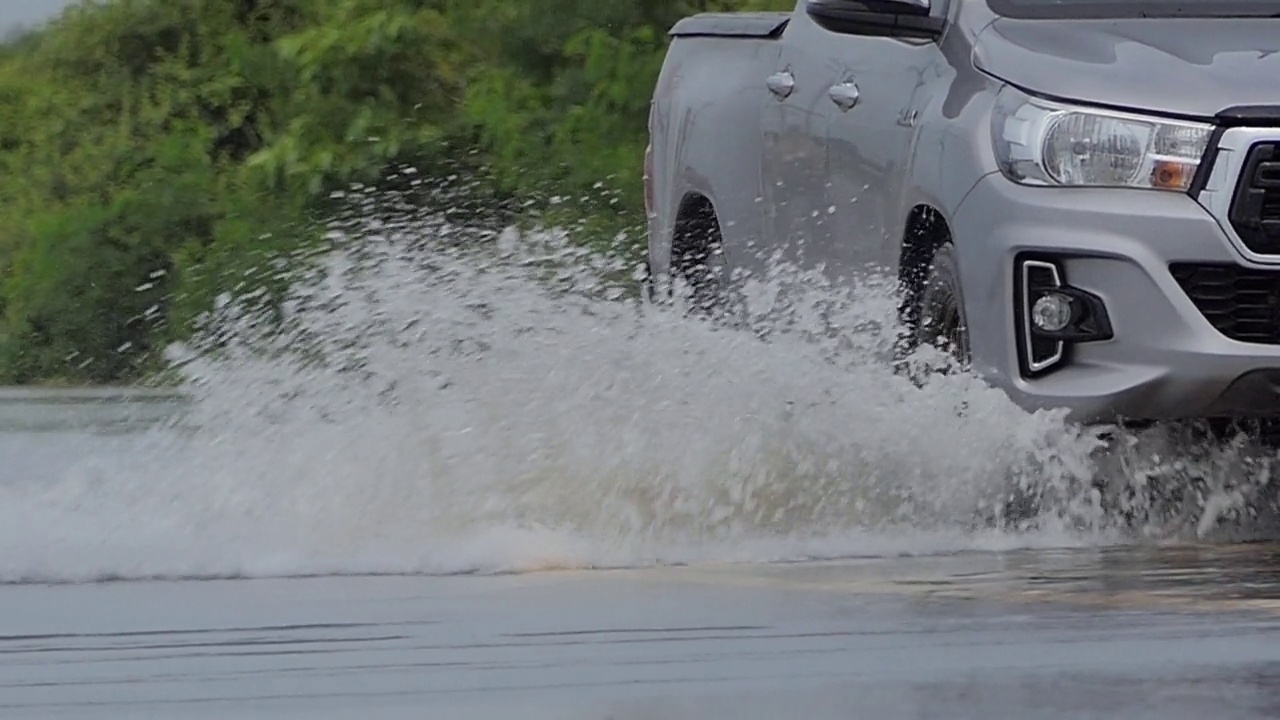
1243,191
1256,197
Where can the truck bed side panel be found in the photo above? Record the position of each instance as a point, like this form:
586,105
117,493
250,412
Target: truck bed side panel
705,134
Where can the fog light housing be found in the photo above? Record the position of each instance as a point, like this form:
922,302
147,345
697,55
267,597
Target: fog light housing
1053,316
1052,312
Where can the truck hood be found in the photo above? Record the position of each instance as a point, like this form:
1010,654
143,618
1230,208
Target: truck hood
1193,68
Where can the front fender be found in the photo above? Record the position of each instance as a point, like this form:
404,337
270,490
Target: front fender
952,151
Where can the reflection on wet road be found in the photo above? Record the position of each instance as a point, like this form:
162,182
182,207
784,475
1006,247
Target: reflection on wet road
1152,632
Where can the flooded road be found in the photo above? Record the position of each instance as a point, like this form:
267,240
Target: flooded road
493,501
1173,633
1133,631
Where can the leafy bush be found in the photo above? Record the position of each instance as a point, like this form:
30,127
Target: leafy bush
157,153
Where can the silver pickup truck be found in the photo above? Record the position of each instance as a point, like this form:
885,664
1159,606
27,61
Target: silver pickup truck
1080,199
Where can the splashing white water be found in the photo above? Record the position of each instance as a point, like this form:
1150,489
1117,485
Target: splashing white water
491,405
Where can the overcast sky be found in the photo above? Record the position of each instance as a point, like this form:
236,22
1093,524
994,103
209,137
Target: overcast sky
28,12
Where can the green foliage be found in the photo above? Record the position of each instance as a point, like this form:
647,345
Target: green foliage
155,154
374,82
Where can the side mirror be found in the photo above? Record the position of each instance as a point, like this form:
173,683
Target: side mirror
896,18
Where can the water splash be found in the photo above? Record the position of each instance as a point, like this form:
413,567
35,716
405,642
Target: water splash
438,400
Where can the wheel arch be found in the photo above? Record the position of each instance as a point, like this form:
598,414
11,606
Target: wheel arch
696,233
925,231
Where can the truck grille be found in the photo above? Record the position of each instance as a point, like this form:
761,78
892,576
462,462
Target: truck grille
1255,210
1242,303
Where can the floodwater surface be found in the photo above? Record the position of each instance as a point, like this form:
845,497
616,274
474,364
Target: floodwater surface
1176,633
482,485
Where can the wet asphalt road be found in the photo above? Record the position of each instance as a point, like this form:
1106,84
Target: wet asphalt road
1127,633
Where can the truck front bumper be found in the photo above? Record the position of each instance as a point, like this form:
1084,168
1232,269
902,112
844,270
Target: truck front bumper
1194,323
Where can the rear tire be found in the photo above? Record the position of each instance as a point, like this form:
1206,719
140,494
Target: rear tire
702,272
699,267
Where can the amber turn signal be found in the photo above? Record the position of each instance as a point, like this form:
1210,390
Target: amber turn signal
1172,175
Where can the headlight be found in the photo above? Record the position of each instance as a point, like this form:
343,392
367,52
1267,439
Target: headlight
1038,142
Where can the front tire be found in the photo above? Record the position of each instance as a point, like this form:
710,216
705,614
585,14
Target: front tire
941,322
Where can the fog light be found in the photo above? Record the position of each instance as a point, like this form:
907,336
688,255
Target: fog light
1053,316
1052,312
